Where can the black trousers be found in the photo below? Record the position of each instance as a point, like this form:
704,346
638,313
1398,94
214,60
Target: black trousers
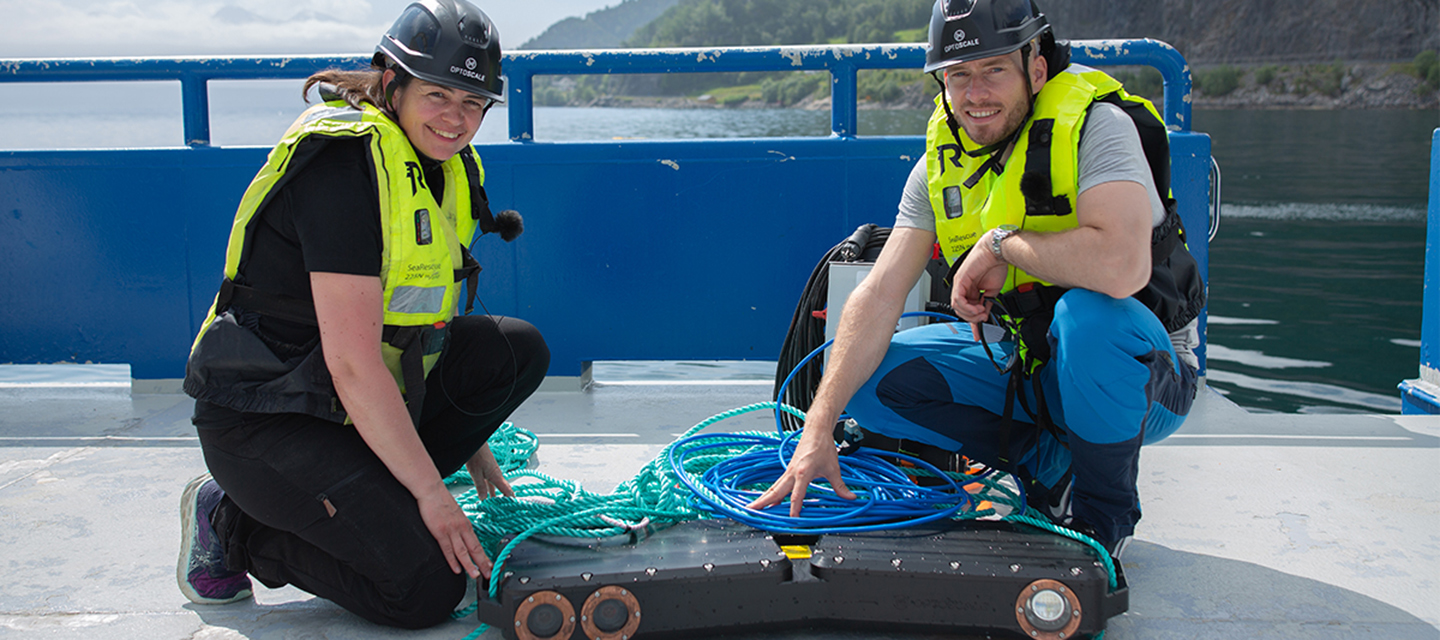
373,555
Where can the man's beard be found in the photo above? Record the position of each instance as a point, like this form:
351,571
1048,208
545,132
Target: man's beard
1014,119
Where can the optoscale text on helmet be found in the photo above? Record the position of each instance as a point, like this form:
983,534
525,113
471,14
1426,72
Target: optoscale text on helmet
467,73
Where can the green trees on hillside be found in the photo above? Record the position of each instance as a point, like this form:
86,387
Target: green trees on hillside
1426,67
1221,80
712,23
608,27
724,23
794,87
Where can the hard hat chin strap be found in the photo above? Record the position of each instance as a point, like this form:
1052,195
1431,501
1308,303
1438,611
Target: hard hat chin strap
397,73
995,151
1029,84
949,114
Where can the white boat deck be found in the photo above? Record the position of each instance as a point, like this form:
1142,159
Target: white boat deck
1256,525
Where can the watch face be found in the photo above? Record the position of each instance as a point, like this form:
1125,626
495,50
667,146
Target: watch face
999,235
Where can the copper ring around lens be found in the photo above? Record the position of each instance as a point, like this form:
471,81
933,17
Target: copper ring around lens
1072,611
632,610
539,599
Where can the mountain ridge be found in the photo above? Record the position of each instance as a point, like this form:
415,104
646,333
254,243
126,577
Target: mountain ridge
1289,54
1213,32
601,29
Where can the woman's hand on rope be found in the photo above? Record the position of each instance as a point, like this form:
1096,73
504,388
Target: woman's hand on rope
448,524
815,457
349,309
487,475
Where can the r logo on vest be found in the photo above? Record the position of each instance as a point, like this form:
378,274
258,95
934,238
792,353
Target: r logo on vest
417,177
952,150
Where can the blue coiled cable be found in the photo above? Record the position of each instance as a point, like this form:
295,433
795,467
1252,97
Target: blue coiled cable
887,497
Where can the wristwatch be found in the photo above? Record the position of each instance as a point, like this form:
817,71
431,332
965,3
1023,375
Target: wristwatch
998,236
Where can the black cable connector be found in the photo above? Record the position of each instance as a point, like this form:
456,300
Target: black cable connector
806,331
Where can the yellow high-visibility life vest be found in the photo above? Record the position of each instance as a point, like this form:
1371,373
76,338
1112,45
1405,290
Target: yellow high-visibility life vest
1048,146
1037,189
423,260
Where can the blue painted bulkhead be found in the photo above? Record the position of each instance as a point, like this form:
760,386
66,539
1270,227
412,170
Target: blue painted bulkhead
1422,395
633,250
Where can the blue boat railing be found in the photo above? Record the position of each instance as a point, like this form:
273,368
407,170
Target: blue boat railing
114,255
193,74
842,61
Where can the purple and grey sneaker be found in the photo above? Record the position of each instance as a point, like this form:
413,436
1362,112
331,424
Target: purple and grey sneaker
201,570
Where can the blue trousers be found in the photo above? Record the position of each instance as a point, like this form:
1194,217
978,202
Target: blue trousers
1112,384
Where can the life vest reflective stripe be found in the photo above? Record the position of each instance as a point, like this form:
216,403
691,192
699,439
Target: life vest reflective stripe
424,256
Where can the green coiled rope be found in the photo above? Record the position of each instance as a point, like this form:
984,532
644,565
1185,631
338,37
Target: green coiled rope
655,497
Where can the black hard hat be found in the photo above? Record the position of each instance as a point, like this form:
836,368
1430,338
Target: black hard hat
447,42
965,30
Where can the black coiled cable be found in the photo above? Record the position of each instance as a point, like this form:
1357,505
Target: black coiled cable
807,331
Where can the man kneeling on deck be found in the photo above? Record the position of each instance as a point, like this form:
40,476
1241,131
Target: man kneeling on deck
1046,186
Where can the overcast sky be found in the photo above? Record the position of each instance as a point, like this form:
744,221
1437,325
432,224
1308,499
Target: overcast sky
90,28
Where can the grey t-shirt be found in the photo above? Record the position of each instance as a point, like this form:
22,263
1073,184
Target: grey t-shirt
1109,151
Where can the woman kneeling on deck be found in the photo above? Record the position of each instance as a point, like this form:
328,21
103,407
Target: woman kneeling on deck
336,386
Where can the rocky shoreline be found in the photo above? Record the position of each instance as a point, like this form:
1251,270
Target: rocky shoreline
1371,85
1364,85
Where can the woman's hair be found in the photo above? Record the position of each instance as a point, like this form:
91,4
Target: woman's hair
358,87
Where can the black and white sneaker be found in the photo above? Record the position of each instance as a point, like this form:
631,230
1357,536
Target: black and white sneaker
1057,508
1115,548
1053,503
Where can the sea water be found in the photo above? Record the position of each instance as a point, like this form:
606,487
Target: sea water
1316,273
